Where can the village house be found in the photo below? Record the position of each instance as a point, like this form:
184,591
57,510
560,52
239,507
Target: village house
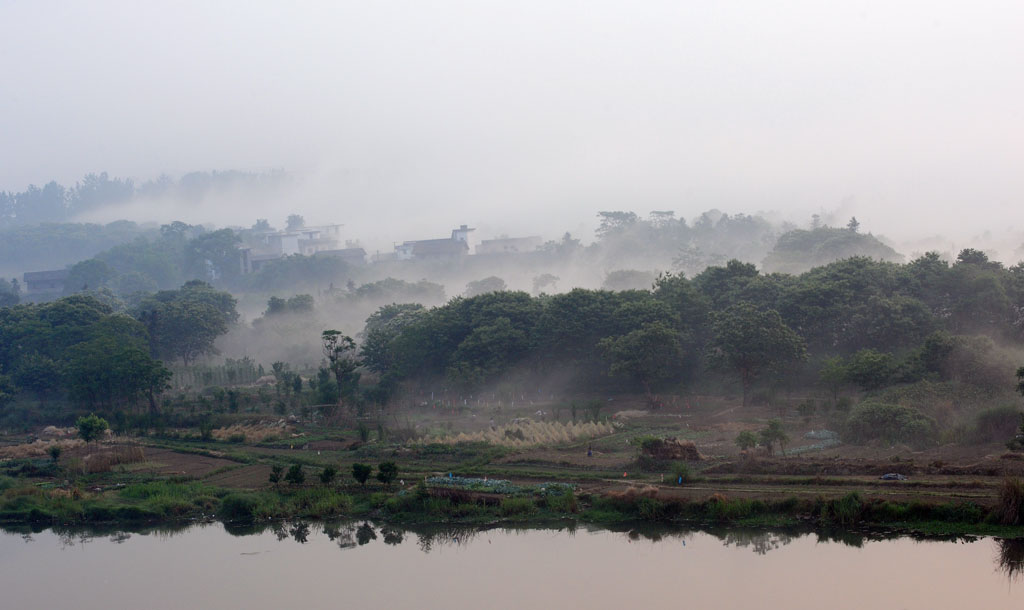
436,249
39,283
509,245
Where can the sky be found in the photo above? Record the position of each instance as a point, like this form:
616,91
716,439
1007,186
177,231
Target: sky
529,117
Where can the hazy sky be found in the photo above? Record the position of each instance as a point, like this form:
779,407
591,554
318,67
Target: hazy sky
426,114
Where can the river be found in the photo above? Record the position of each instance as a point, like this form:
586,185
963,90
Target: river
367,565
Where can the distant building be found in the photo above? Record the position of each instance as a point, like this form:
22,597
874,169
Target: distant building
436,249
264,246
509,245
45,282
351,256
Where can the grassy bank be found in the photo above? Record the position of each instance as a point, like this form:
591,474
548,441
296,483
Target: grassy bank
172,500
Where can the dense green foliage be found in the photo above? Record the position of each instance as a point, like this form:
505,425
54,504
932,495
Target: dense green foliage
79,348
891,423
855,323
799,250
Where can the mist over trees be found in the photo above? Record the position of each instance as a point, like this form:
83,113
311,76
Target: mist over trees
856,323
56,203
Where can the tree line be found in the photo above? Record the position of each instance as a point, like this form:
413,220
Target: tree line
103,358
857,322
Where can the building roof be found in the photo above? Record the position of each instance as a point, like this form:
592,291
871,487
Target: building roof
439,247
47,276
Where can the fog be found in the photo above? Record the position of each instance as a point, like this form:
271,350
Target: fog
403,119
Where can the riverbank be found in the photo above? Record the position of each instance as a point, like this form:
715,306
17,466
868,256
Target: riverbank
169,501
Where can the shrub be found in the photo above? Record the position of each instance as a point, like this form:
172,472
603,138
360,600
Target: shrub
387,472
563,503
650,509
517,506
746,440
327,474
846,510
276,472
236,438
888,422
361,472
295,476
1009,509
237,507
996,424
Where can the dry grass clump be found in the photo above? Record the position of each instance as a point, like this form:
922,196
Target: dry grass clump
253,433
530,432
633,492
1010,508
113,456
38,448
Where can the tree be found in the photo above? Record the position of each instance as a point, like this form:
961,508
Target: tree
834,375
749,341
853,225
650,355
613,223
488,284
628,279
340,352
295,222
91,427
90,274
54,451
544,280
327,474
746,440
387,472
361,472
774,434
185,323
276,473
870,369
214,256
295,476
7,388
9,292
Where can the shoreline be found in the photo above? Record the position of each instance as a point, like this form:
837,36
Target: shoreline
170,503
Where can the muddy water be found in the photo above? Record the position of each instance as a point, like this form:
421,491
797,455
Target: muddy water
362,565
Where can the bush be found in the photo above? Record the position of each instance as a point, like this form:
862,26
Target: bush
361,472
1010,508
387,472
996,425
295,476
327,474
891,423
845,510
238,507
563,503
517,506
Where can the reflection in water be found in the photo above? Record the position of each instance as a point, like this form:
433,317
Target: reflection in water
1011,558
353,534
365,533
759,541
453,567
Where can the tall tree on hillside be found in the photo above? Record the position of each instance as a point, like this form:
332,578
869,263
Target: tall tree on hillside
340,351
749,341
184,323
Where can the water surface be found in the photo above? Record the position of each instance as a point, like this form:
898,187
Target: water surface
364,565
